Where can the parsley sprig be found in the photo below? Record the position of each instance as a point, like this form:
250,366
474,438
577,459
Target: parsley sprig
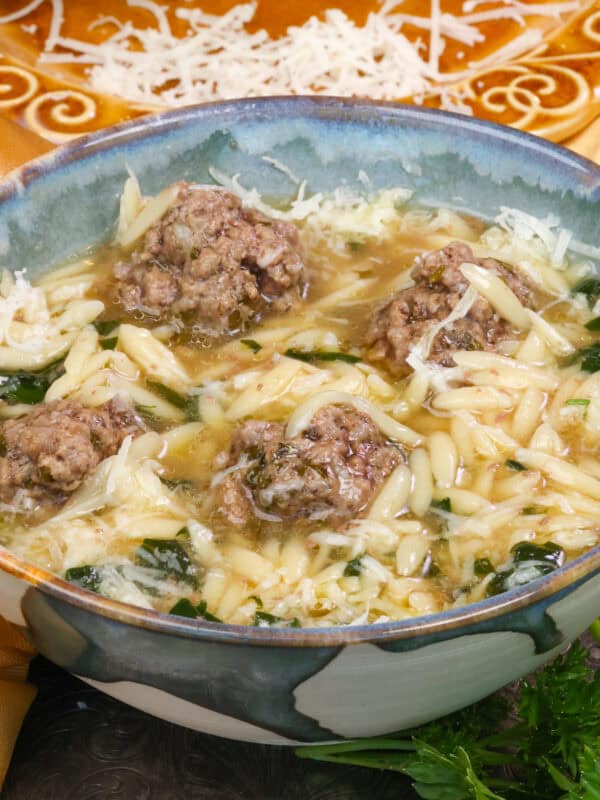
551,751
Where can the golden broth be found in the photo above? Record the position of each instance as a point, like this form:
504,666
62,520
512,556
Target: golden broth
382,565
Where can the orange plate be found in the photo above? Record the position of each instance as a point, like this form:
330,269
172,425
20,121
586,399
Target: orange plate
554,91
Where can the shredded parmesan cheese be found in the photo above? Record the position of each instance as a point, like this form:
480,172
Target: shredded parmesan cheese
306,411
220,58
33,333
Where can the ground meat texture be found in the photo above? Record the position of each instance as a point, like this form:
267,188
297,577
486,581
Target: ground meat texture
328,472
213,264
48,453
402,321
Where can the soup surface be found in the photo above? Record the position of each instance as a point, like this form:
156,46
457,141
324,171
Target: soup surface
347,409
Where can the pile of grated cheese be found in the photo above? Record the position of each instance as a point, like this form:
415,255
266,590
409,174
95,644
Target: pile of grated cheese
219,58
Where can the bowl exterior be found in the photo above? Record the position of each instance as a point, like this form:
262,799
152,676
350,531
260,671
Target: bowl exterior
299,694
270,688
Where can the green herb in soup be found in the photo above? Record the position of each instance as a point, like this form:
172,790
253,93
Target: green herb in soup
348,411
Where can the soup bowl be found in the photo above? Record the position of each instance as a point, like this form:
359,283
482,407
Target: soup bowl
285,686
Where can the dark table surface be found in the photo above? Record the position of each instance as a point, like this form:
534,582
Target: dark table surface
78,744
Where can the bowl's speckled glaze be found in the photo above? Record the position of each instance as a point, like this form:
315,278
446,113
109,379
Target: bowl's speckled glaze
296,685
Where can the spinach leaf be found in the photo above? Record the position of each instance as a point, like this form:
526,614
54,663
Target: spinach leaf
86,577
529,562
430,568
354,245
176,483
444,504
590,358
29,387
109,344
528,551
321,355
202,610
589,287
252,344
106,326
533,510
516,576
516,465
353,568
169,556
593,324
482,567
264,619
184,608
170,395
187,403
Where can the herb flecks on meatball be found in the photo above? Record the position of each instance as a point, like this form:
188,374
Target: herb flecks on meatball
397,325
213,264
329,472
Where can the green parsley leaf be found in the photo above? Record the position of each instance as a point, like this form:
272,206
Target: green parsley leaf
446,776
552,748
577,401
595,630
589,774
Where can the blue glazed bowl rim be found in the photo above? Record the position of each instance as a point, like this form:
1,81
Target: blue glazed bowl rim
337,109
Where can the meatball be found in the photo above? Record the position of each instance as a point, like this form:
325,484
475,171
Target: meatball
402,321
328,472
48,453
213,264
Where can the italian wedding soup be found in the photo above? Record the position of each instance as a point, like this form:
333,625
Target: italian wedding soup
348,409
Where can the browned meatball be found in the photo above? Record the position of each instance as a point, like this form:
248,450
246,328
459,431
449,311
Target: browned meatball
328,472
213,264
439,284
48,453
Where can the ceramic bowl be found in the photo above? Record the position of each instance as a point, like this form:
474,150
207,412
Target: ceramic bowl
296,685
